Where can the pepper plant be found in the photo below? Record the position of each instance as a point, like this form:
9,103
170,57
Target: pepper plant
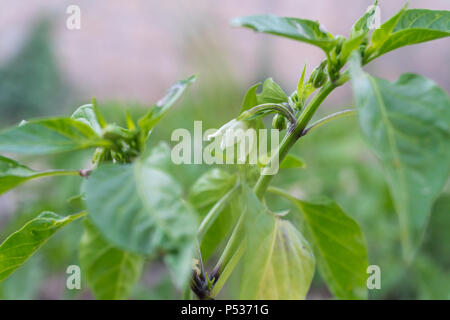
136,210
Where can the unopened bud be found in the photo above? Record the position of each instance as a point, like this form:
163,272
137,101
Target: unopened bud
279,122
318,76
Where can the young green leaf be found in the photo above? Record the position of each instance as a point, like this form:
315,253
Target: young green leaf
23,243
407,124
301,86
271,93
111,273
86,115
304,90
250,101
351,45
410,27
251,98
48,136
362,25
129,119
268,101
381,34
278,263
13,174
157,111
98,115
338,244
298,29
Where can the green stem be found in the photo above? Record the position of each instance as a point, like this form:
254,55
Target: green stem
294,134
215,211
282,193
230,255
228,270
229,248
57,173
329,118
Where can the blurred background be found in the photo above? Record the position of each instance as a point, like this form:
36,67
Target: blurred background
127,53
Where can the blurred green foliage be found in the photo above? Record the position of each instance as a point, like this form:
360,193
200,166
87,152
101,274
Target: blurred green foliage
31,84
338,164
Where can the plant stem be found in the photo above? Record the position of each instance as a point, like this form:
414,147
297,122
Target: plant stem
294,134
200,258
328,118
228,270
228,261
49,173
282,193
215,211
231,244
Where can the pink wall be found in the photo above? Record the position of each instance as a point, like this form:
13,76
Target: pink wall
134,49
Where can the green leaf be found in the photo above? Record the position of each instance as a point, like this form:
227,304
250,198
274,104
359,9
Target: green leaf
98,115
139,208
298,29
129,120
87,115
13,174
339,248
271,93
250,101
157,111
410,27
26,282
380,35
251,98
291,161
278,263
304,89
111,273
362,25
23,243
301,85
407,124
48,136
159,157
210,187
351,45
